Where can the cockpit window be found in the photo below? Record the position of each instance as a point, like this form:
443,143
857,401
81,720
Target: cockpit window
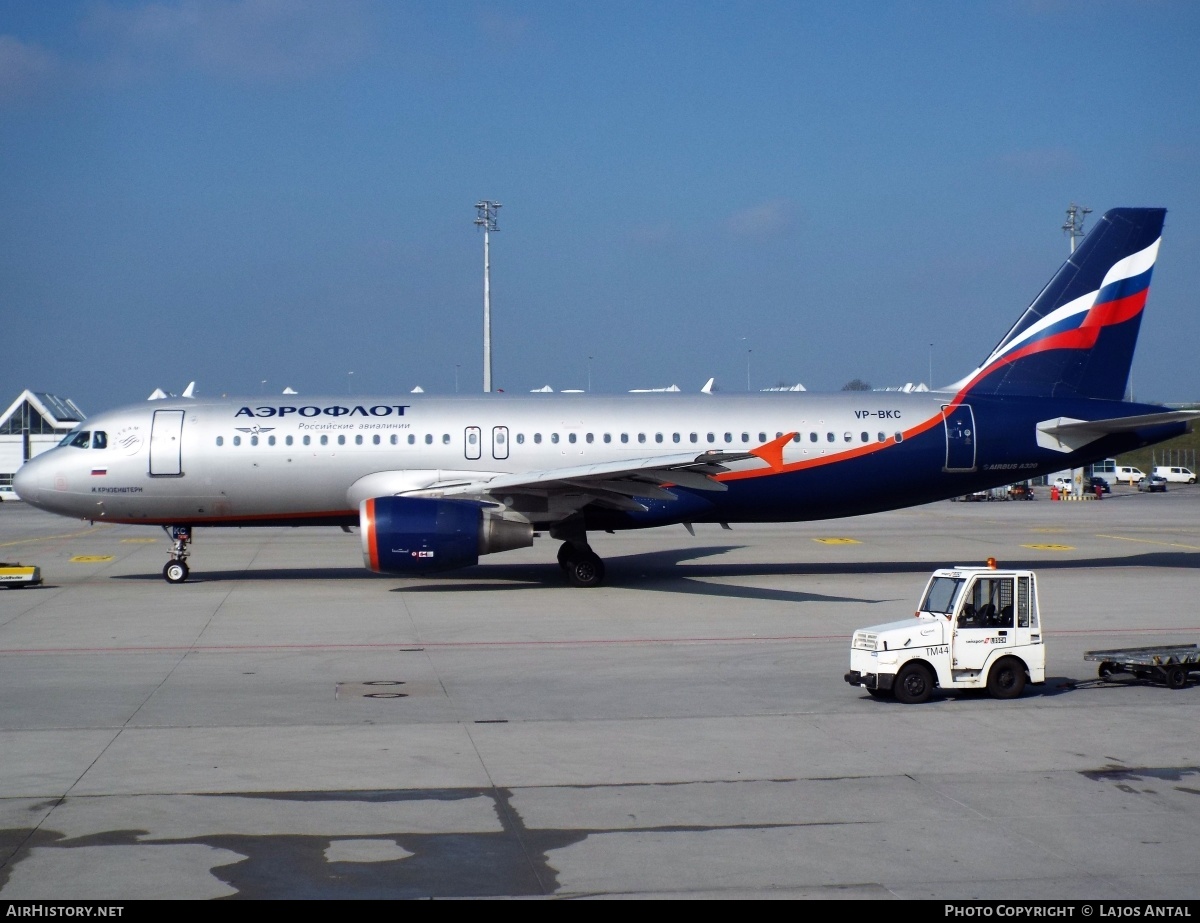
99,439
80,440
943,591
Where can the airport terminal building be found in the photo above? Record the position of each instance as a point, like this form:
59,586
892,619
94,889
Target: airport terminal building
34,422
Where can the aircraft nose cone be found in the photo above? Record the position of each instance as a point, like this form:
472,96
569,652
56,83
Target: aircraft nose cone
27,482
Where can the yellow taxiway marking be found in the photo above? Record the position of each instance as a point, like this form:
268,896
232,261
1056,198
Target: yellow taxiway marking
1150,541
91,558
838,541
138,541
1050,547
50,538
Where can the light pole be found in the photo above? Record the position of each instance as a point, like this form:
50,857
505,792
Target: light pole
456,379
589,374
486,212
930,366
1074,226
349,382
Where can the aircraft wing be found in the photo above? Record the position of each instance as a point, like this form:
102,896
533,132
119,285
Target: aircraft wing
616,484
1064,434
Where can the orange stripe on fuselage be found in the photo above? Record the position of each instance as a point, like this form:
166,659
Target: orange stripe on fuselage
837,457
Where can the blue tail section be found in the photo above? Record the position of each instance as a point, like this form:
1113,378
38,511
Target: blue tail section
1078,336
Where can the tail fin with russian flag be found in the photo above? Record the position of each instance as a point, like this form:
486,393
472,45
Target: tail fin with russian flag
1078,336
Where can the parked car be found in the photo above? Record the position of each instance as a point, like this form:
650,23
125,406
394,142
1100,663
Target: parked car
1128,474
1176,474
1153,483
1021,492
1090,485
1065,485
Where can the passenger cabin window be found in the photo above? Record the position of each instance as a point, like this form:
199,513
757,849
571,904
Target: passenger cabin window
812,437
445,438
658,437
641,437
324,440
237,440
254,440
412,438
220,440
537,438
571,438
608,437
270,440
287,440
866,437
829,437
429,438
308,440
554,438
745,437
624,437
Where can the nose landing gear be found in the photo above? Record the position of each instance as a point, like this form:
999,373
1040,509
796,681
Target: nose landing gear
176,569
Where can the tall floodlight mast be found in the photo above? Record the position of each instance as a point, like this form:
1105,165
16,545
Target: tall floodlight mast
1074,225
486,218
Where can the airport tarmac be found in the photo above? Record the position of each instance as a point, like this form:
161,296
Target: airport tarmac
288,725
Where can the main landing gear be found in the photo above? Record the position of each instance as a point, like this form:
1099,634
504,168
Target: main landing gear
582,566
176,570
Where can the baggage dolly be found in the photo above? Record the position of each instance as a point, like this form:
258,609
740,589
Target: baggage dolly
1169,664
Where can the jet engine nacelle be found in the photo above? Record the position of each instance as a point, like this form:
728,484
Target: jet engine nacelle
417,535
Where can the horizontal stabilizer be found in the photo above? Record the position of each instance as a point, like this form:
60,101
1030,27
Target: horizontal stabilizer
1064,434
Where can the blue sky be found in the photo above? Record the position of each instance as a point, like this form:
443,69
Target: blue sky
241,191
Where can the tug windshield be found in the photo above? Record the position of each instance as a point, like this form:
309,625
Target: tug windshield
943,593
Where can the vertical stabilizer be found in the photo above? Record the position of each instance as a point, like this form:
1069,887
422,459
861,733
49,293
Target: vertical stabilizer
1078,336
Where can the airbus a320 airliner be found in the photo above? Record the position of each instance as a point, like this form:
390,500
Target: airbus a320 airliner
435,482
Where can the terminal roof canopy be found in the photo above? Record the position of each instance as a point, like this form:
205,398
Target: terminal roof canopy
40,412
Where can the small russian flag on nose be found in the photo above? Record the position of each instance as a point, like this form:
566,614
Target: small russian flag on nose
99,472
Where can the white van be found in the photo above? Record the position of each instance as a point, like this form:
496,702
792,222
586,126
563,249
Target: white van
1127,474
1176,474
